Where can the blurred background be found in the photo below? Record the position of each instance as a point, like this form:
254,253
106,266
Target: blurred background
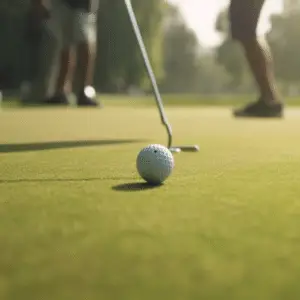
187,41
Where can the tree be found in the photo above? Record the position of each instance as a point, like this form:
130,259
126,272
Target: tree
12,50
212,77
180,54
229,53
119,59
284,40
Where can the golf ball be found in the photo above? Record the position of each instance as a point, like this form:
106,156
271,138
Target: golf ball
155,163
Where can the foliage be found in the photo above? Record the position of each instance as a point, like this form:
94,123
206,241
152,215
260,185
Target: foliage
180,64
180,54
119,62
284,39
229,53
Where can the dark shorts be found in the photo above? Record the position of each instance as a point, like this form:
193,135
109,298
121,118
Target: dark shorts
244,16
84,5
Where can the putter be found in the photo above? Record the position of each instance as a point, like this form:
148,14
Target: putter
157,95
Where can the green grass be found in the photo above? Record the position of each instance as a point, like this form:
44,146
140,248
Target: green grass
190,100
224,226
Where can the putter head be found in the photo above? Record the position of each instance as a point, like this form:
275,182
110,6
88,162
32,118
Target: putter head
177,149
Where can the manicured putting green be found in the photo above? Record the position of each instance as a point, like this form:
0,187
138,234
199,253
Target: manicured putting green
77,223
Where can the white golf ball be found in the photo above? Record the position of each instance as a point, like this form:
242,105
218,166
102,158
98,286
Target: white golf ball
155,163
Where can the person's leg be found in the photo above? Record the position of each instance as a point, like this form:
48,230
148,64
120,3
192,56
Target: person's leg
86,60
244,16
85,32
66,71
67,57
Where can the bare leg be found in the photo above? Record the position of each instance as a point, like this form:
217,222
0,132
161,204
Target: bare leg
86,59
66,71
244,17
260,61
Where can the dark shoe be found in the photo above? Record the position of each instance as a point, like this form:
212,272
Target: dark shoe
260,109
59,99
88,97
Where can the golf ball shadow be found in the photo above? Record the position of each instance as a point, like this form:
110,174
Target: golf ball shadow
135,186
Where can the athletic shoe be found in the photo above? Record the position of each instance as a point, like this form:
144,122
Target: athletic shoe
58,99
260,109
88,98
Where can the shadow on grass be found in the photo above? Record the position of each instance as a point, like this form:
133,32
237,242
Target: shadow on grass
10,148
41,180
134,187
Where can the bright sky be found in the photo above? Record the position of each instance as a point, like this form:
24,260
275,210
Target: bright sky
201,16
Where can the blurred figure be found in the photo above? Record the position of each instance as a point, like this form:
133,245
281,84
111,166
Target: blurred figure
244,16
70,36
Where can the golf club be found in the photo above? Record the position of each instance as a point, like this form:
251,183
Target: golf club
158,98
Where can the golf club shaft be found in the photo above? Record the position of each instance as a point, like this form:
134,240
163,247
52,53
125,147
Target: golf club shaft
150,72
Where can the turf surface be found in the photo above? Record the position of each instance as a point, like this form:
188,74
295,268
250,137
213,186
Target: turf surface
77,223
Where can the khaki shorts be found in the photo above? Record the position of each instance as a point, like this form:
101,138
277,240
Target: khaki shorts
71,26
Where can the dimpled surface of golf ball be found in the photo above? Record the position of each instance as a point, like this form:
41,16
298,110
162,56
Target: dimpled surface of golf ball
155,163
